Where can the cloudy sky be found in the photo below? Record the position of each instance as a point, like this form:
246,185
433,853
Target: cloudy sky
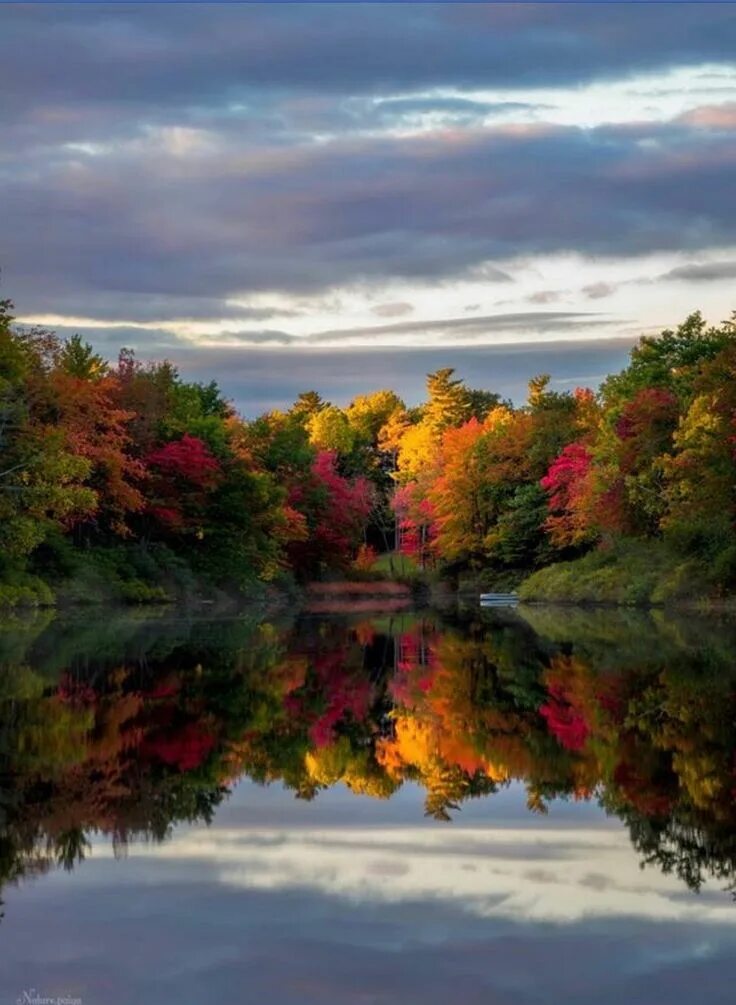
346,196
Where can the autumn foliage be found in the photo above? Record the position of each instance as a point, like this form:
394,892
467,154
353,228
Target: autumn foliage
124,473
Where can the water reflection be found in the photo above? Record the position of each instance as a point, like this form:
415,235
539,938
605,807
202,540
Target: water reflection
129,726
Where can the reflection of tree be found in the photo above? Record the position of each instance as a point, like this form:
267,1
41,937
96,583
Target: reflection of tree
690,847
152,729
70,847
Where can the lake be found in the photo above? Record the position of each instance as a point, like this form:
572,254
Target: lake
530,806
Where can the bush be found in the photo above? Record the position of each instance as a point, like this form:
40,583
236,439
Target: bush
24,590
135,591
632,573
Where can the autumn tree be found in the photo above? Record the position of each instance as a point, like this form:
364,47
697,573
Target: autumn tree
700,472
42,479
329,429
183,472
336,510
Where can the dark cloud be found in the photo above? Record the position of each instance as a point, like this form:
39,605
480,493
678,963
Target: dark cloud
707,272
456,109
464,327
146,308
266,337
158,160
171,55
259,379
146,935
156,341
306,218
500,326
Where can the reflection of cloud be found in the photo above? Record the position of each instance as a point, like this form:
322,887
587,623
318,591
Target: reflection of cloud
529,874
187,922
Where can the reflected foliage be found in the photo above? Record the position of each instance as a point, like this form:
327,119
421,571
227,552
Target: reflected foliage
127,727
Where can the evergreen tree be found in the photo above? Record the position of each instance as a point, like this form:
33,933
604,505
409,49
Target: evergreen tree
449,402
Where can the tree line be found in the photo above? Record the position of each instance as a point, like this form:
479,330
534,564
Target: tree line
124,480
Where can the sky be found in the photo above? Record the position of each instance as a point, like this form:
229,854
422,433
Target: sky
354,901
346,196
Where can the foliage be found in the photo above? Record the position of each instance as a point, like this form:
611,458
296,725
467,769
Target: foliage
627,573
129,458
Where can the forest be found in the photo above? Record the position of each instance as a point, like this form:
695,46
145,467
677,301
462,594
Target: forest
124,482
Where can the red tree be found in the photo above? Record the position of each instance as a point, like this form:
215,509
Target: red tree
645,427
336,511
567,484
183,472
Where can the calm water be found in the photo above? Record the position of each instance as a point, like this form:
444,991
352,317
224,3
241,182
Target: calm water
506,808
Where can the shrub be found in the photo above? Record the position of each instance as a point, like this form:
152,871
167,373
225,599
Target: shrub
135,591
25,590
632,573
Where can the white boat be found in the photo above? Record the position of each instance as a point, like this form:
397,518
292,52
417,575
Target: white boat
498,600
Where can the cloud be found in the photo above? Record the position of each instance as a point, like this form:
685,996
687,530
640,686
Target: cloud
545,296
309,218
427,865
180,158
260,379
596,291
266,337
94,307
205,940
453,109
496,329
503,327
702,273
464,327
393,310
195,56
721,116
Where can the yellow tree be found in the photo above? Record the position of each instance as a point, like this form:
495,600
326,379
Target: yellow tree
329,429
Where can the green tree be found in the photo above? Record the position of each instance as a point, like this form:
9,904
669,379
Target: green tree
78,359
449,403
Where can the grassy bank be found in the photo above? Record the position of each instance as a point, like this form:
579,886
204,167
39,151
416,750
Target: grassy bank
630,573
124,575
